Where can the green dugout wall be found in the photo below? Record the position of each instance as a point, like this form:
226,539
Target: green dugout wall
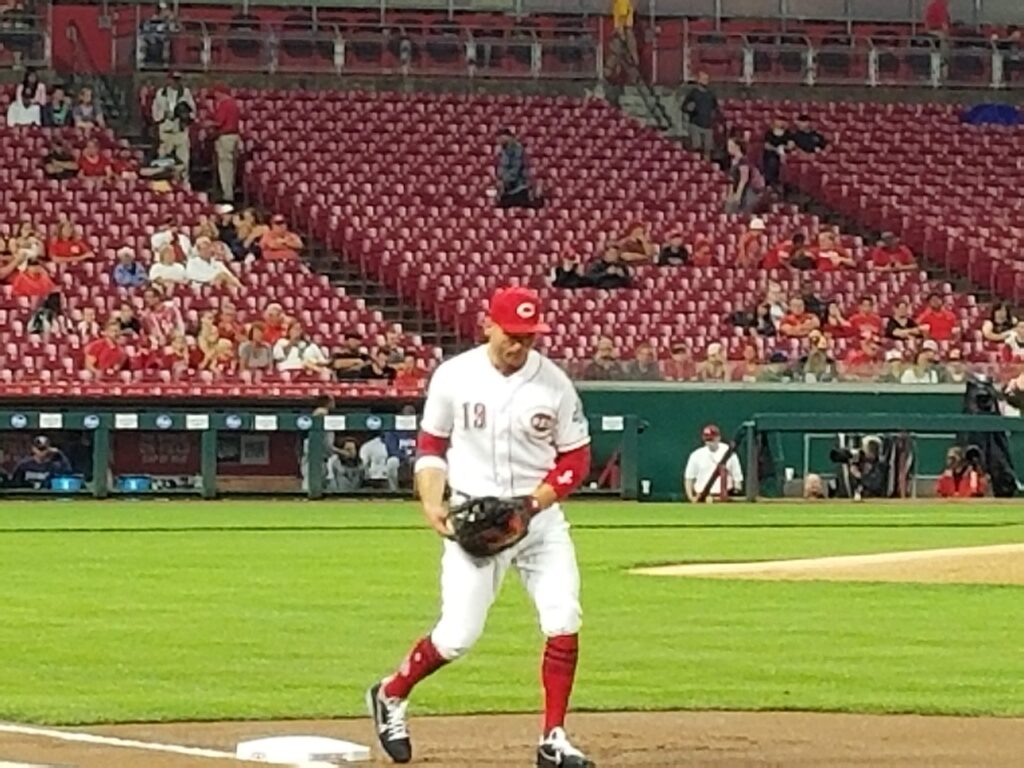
672,415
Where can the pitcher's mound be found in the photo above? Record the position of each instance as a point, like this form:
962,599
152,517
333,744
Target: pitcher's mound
996,564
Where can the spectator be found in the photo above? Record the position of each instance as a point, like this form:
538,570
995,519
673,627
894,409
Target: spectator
680,366
48,317
901,325
1014,342
937,20
155,34
866,319
275,323
23,112
514,187
830,255
778,370
173,111
622,52
892,372
175,357
32,280
393,345
837,326
31,85
776,300
703,252
410,375
955,371
105,355
749,368
250,230
228,324
87,113
203,269
378,368
764,321
777,140
609,272
700,112
169,233
745,183
713,368
936,320
295,352
88,327
817,365
59,163
278,244
226,118
707,468
129,273
207,334
923,370
792,253
751,246
636,246
161,318
890,255
167,271
27,244
814,487
567,274
380,469
349,361
67,247
127,320
206,228
999,324
222,360
862,361
255,354
604,366
673,252
806,138
645,366
94,164
57,112
43,463
961,479
798,322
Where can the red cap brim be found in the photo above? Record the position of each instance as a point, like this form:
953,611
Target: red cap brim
518,329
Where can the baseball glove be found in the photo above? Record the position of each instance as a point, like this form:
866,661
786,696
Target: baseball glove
489,525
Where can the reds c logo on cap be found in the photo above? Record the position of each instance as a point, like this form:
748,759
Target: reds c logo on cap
526,310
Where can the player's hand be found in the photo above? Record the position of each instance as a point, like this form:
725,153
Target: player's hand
437,516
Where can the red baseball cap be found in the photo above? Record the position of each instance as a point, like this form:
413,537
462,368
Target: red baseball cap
710,432
516,310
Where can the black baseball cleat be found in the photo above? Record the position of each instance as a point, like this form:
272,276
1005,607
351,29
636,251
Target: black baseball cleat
555,751
389,721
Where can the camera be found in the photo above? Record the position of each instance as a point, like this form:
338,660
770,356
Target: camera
845,455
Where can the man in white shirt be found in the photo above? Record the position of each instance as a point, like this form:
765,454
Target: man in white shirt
203,268
174,109
705,463
297,353
24,111
167,234
378,467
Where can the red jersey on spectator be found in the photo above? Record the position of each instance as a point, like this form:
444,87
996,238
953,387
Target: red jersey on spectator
37,284
226,116
886,257
941,323
231,329
59,249
773,259
410,379
109,356
968,485
936,16
271,332
858,358
96,166
862,323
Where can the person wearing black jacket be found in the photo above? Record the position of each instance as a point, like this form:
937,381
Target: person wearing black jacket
806,138
609,272
700,108
777,140
43,463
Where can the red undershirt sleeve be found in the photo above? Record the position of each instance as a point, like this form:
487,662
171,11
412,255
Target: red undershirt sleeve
570,471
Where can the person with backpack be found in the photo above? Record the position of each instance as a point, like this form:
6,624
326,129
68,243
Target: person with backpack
746,184
174,109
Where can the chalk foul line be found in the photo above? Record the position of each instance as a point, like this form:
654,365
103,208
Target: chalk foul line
112,741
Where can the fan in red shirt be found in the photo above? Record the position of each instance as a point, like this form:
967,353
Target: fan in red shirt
866,319
228,324
410,375
829,255
275,323
105,354
67,247
890,255
936,17
32,281
798,322
963,477
680,366
92,163
937,320
862,361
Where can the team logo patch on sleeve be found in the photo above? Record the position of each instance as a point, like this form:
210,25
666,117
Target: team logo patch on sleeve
542,424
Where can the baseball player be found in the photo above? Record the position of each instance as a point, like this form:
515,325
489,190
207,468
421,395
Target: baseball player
500,420
706,462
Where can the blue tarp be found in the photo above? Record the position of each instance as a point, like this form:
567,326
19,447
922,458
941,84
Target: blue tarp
992,114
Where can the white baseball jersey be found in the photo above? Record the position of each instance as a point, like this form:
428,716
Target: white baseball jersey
701,466
504,431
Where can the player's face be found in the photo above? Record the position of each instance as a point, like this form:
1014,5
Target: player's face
509,351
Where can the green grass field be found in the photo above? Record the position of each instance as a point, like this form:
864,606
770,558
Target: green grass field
128,611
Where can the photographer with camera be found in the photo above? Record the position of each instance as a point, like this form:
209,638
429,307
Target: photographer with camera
864,472
174,109
964,476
